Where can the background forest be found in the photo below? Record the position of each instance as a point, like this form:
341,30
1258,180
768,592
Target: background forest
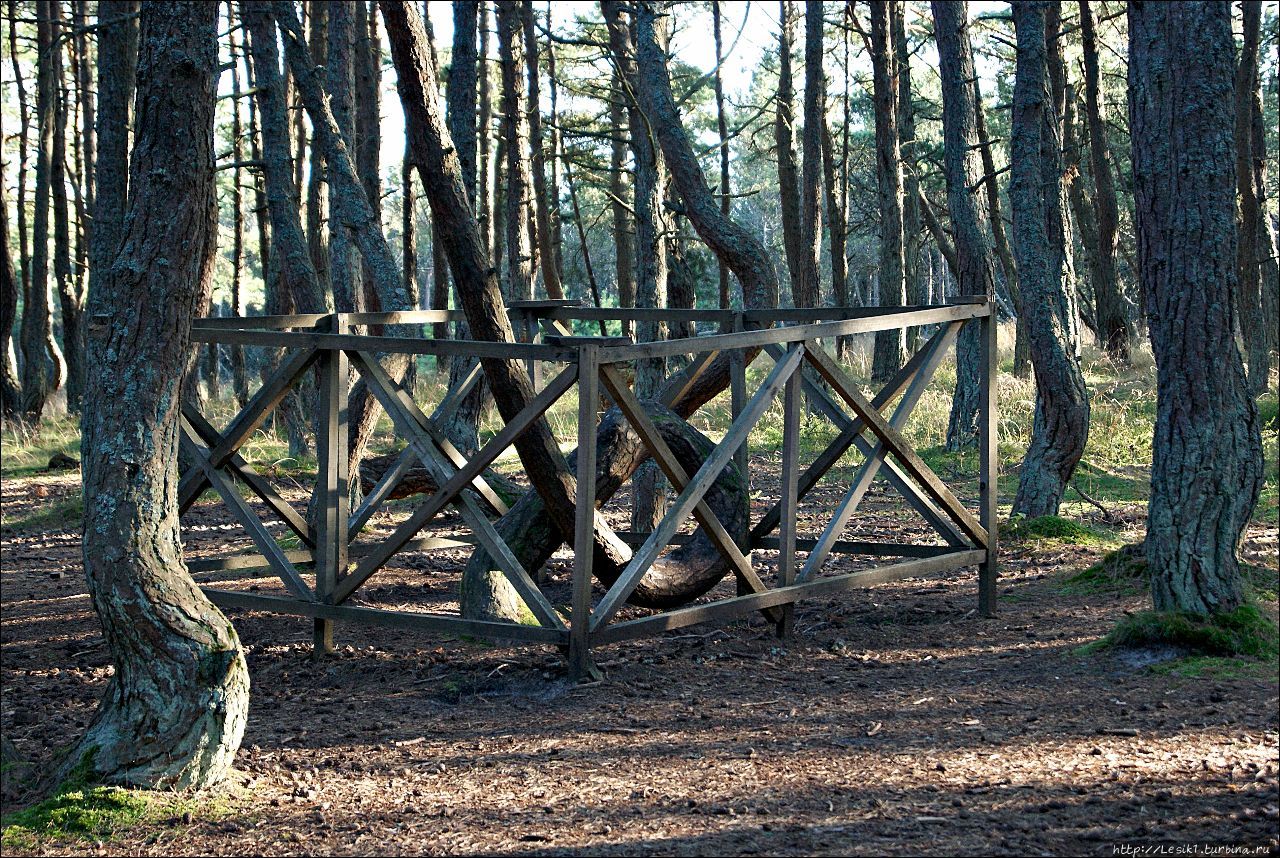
1105,172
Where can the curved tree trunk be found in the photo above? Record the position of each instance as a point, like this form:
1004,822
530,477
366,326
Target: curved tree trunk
44,370
1061,425
175,708
889,344
970,254
1207,467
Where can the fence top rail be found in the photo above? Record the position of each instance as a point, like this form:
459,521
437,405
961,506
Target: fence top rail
563,310
857,320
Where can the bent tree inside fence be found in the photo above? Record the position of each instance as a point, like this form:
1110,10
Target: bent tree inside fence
678,574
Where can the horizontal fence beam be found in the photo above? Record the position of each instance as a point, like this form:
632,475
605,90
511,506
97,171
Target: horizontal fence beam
735,607
394,619
399,345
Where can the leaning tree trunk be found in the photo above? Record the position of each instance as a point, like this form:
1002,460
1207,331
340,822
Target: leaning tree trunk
44,370
889,344
531,532
1249,253
486,590
1061,424
1113,322
970,253
175,708
1207,465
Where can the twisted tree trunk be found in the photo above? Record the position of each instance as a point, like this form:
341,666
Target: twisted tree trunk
175,708
1061,425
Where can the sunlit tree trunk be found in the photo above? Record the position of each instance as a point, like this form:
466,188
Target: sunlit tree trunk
1207,465
175,708
784,124
889,344
912,234
1061,424
1250,253
971,252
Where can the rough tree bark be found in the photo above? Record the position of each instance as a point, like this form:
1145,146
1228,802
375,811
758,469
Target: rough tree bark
1113,322
815,98
1207,466
367,66
1249,253
1061,424
970,253
317,207
784,123
339,86
70,297
24,125
239,374
45,369
889,344
175,708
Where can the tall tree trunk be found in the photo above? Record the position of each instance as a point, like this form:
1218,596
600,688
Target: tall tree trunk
465,82
175,708
912,235
24,129
1021,350
239,373
483,197
44,370
815,97
722,128
317,206
546,254
1249,254
650,256
367,66
971,253
516,134
70,297
889,344
1207,466
292,268
1268,252
1061,424
339,86
623,236
555,154
10,386
439,266
1113,322
784,125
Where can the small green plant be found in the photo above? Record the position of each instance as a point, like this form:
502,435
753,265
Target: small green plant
1246,631
1053,528
81,814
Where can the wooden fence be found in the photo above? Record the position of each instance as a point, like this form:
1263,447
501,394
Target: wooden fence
327,568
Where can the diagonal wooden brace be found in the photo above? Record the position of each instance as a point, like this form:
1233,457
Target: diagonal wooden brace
630,578
933,486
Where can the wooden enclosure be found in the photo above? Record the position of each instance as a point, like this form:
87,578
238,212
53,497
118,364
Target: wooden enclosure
327,568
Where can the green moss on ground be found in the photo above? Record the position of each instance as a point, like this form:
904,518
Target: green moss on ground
65,513
1246,632
86,813
1054,528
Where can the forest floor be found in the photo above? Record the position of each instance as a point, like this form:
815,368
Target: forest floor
896,719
